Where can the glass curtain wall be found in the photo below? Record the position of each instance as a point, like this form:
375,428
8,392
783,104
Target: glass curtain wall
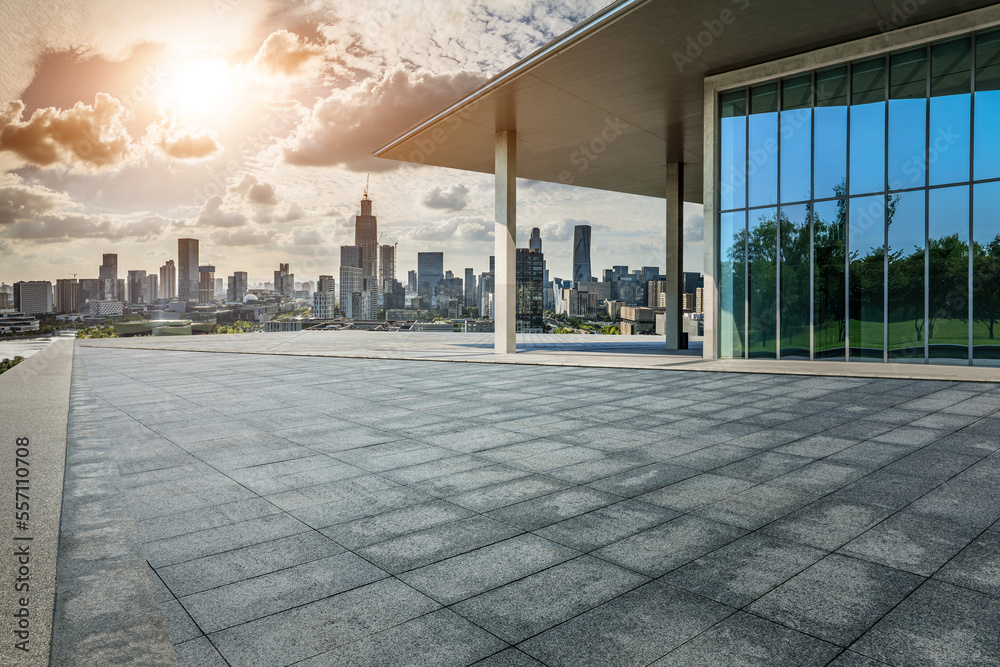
860,209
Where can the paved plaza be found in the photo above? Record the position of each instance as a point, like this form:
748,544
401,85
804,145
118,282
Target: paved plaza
269,509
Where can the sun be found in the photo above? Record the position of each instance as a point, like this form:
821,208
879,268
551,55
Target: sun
198,86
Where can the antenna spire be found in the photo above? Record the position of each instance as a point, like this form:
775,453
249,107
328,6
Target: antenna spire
367,180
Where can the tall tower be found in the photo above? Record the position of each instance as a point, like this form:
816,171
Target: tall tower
535,242
366,237
187,269
109,278
386,266
168,280
581,253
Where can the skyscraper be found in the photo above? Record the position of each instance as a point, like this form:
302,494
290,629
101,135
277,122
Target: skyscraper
470,288
187,269
528,292
168,280
411,282
430,272
284,282
135,285
350,255
237,287
206,284
366,237
109,278
581,253
535,242
326,284
386,265
67,295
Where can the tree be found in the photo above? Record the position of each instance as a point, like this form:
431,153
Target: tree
986,283
7,364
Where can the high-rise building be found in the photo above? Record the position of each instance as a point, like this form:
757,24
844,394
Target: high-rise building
470,288
151,287
430,272
33,297
187,269
394,296
90,290
220,290
411,282
284,282
581,253
528,291
324,305
692,281
237,287
366,237
67,295
654,288
535,242
351,278
326,284
206,284
386,265
168,280
109,278
486,295
350,255
135,285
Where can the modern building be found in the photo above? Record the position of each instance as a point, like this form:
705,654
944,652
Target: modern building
108,274
206,284
90,290
135,285
411,282
535,242
33,297
847,156
151,287
471,296
430,272
386,266
366,237
324,305
581,253
284,282
187,269
350,255
236,288
168,280
326,284
529,291
67,295
351,282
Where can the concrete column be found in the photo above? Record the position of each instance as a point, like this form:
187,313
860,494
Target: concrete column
506,235
710,299
675,255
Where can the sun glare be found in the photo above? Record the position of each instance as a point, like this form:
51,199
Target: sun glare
200,86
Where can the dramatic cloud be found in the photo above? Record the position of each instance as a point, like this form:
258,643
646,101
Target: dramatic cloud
182,143
214,215
51,228
345,128
455,229
242,237
22,202
453,199
285,53
255,192
94,136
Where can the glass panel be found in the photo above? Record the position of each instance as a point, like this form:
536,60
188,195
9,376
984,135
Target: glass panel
733,151
948,256
907,119
830,156
866,226
763,250
763,145
986,274
951,112
905,217
829,226
987,134
796,138
732,283
794,282
868,126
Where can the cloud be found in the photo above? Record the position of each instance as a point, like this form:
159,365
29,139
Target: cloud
49,228
455,229
255,192
242,237
180,142
213,215
346,127
22,202
92,136
286,54
453,199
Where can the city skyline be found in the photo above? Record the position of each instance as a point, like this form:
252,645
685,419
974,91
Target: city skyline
258,145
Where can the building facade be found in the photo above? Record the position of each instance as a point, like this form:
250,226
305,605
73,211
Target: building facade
581,253
529,291
67,295
206,284
237,286
187,269
366,238
33,297
430,273
168,280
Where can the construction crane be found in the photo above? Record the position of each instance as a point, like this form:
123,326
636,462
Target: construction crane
368,179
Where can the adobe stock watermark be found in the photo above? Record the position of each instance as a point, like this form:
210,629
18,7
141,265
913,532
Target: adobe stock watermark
900,15
697,44
587,154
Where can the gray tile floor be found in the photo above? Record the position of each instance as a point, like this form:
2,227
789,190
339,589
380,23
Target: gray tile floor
323,511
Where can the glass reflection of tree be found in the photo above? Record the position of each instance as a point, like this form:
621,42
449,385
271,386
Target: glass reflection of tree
762,245
906,289
986,303
949,271
794,257
828,248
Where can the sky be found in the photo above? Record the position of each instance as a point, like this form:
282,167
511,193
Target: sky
249,125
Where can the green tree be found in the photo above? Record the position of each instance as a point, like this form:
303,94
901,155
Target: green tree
986,283
7,364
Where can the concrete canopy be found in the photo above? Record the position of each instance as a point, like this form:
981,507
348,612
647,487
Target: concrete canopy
608,104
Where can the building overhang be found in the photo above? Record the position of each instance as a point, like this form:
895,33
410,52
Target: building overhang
608,104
